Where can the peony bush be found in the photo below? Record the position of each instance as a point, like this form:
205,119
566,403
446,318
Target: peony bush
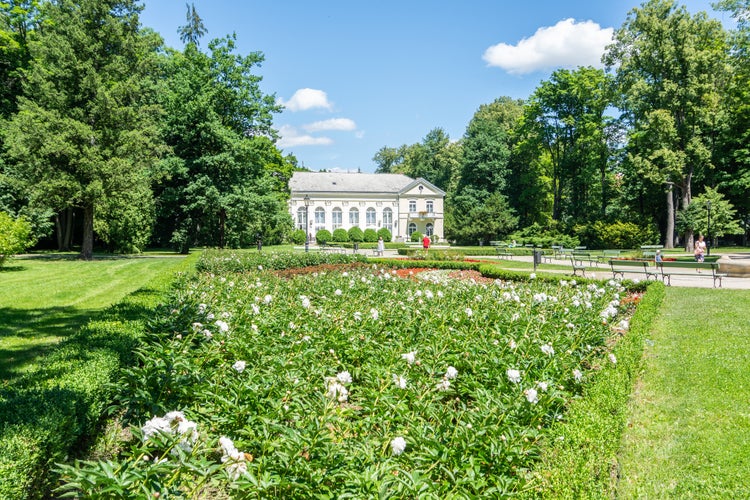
353,382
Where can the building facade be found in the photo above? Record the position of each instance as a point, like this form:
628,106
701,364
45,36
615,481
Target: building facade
327,200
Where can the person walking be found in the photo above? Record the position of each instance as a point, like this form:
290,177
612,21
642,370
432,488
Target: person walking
381,246
426,242
700,249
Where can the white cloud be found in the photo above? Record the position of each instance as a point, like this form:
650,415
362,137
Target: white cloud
567,44
290,137
332,124
304,99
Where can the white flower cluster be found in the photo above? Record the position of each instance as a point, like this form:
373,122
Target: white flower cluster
398,445
336,389
450,374
173,423
237,465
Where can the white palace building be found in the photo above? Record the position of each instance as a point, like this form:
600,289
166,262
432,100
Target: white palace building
327,200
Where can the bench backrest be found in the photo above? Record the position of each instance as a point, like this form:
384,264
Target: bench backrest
688,265
630,263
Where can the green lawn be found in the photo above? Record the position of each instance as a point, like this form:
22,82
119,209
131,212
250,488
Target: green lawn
689,431
48,297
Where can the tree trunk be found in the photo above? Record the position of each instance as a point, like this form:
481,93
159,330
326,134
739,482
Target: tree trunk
87,247
669,238
64,229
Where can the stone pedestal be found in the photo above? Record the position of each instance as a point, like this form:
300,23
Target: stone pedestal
737,266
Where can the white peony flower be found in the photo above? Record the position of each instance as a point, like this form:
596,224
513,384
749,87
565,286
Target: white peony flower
513,375
239,366
398,445
451,373
531,396
410,357
399,381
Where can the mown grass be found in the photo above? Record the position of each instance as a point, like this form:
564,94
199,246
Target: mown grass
46,298
688,435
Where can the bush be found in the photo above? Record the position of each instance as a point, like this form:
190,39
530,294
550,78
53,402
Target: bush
385,234
340,235
15,236
371,235
416,237
356,234
323,236
622,235
542,237
298,237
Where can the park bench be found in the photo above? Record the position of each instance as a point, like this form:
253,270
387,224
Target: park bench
557,251
649,251
332,249
622,266
577,266
608,255
693,269
582,257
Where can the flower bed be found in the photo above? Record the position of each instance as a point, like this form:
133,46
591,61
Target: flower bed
355,382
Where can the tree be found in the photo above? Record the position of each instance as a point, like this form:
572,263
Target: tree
566,115
670,69
723,216
84,133
194,30
218,189
492,220
733,153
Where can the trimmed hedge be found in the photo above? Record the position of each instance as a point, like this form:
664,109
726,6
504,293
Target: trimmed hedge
50,412
582,461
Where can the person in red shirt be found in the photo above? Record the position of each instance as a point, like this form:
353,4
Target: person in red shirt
426,242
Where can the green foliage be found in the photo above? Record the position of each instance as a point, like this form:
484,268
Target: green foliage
85,132
298,236
579,463
239,261
15,236
695,218
618,235
56,405
218,189
323,236
385,234
416,237
196,340
356,234
542,237
370,235
340,235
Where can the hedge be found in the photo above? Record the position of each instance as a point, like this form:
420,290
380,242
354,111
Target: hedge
49,413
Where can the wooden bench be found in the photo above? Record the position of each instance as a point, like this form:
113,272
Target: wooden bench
684,268
608,255
582,257
503,252
622,266
577,266
332,249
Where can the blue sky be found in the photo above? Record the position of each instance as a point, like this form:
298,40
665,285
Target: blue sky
355,76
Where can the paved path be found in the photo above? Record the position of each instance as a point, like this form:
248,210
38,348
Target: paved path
602,272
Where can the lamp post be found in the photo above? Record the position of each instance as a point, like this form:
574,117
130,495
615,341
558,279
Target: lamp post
307,233
708,236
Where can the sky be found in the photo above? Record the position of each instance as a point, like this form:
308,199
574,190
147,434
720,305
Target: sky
356,76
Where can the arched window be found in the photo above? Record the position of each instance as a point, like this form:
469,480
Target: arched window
320,218
353,217
388,219
337,218
428,229
371,217
301,222
412,228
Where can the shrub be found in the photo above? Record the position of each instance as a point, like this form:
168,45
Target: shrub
385,234
416,237
298,237
15,236
356,234
340,235
616,235
371,235
323,236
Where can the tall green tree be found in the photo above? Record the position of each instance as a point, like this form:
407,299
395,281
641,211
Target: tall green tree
733,155
218,189
194,30
670,69
567,115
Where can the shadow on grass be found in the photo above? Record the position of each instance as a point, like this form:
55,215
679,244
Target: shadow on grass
38,331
